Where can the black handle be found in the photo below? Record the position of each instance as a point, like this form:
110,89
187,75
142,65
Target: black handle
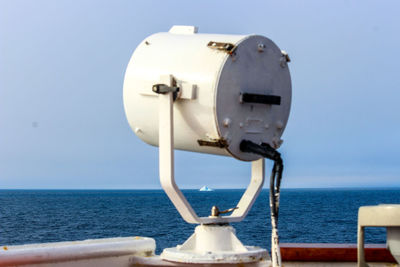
261,99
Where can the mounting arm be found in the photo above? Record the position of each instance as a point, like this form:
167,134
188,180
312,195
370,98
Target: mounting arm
166,161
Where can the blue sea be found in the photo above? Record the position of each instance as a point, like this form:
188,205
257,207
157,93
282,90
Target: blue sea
306,215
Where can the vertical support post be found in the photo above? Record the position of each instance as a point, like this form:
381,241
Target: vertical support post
166,135
360,247
166,158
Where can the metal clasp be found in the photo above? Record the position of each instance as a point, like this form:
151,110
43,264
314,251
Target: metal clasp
164,89
226,47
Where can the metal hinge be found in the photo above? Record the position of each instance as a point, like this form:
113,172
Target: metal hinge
226,47
221,143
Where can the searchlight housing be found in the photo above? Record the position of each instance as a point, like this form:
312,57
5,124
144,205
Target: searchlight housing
210,93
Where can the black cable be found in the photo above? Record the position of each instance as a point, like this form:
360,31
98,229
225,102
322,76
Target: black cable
269,152
264,150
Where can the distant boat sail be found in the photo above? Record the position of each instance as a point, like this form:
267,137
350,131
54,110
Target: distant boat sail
205,188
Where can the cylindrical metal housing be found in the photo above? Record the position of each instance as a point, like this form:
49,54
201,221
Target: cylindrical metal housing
232,87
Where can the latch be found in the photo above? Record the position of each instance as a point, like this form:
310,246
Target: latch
225,47
164,89
221,143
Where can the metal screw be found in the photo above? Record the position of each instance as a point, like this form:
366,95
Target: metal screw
261,47
227,122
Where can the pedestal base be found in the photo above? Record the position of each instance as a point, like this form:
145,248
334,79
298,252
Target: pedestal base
214,244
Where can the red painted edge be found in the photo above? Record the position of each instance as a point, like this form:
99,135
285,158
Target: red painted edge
333,252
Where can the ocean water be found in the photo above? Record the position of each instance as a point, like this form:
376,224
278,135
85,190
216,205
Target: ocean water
314,216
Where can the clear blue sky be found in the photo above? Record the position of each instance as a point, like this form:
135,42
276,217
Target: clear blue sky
62,63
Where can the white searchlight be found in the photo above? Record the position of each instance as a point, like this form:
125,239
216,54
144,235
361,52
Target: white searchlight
218,94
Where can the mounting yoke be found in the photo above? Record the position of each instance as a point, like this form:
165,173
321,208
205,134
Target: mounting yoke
166,162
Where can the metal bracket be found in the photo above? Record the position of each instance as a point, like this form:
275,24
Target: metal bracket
285,55
167,178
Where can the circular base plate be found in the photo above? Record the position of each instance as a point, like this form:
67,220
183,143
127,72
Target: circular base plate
253,254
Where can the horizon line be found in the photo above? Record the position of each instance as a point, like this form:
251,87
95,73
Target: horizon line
195,188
